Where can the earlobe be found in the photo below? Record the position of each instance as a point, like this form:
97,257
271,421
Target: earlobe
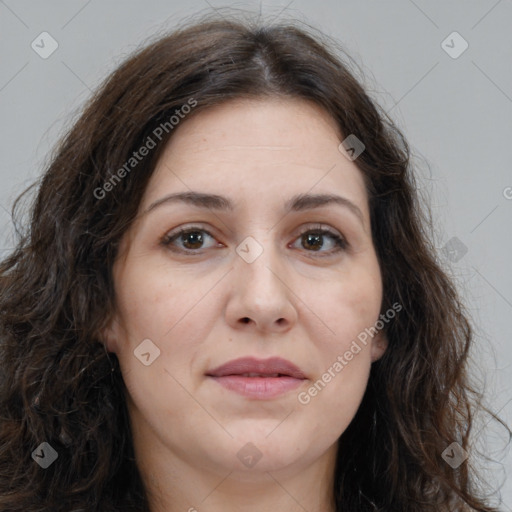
379,346
109,337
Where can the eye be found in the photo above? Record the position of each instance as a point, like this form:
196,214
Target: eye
191,238
313,240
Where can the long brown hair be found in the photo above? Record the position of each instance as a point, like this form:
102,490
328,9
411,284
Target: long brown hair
59,384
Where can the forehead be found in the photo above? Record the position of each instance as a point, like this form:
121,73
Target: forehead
266,148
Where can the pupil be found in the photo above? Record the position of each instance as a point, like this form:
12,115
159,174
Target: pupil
195,238
315,239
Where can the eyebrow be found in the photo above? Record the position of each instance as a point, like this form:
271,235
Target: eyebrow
297,203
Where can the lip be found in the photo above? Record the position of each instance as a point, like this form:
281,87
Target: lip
276,376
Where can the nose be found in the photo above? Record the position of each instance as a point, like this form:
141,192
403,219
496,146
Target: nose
261,296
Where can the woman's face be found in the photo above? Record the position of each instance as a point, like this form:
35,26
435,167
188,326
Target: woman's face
253,276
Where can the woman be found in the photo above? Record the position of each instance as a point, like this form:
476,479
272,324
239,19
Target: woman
227,299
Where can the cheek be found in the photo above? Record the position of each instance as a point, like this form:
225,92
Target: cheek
350,304
331,402
172,309
338,386
153,301
176,313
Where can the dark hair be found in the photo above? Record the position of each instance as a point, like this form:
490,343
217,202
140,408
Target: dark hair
61,386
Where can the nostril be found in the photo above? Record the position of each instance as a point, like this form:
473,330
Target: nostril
246,320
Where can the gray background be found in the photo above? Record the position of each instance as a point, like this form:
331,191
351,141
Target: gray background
456,113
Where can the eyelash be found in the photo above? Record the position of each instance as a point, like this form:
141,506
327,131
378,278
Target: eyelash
340,242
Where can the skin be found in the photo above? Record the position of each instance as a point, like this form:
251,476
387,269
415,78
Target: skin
187,429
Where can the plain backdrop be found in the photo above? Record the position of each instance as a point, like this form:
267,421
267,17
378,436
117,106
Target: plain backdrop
450,93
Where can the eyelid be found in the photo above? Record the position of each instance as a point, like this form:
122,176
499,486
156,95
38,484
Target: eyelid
318,226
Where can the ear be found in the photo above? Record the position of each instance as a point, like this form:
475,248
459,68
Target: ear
379,346
110,335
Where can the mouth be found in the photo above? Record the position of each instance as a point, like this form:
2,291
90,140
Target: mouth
258,378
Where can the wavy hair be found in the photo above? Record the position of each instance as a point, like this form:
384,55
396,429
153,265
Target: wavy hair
60,385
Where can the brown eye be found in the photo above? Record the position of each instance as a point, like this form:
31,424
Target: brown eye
187,239
192,239
314,240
